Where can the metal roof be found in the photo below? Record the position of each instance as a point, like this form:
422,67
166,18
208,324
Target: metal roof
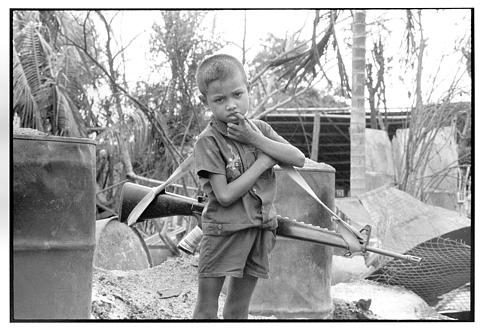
296,126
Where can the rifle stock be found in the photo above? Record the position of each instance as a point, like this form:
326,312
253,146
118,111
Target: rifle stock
168,204
164,204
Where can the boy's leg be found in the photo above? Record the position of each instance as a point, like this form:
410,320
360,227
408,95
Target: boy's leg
240,291
207,299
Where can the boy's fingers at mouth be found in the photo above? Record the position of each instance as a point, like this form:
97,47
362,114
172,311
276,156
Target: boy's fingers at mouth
239,116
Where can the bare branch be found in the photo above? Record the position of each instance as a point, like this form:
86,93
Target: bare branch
278,105
168,143
122,50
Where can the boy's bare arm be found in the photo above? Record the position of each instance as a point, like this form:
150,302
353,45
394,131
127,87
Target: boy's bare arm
227,193
284,153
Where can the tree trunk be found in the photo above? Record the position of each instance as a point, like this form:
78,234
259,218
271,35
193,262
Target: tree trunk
357,121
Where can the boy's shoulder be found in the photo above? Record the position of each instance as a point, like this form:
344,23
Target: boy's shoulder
207,131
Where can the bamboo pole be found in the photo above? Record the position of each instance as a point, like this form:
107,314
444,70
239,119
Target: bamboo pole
315,137
357,121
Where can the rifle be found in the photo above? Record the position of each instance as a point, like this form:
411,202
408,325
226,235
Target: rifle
168,204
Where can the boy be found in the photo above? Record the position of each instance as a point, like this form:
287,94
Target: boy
234,159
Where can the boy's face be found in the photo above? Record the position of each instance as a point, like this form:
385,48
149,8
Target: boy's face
227,97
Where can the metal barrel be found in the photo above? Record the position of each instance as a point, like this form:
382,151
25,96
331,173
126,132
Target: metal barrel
53,227
300,272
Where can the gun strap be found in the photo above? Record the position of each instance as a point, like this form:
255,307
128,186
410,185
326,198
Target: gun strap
351,236
181,170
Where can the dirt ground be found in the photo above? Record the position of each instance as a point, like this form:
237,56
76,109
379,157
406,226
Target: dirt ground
169,291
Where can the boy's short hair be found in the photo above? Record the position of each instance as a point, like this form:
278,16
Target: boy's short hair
217,67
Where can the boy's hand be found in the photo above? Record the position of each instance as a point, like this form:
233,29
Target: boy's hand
243,131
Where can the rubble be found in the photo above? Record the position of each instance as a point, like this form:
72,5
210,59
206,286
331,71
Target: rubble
388,302
168,292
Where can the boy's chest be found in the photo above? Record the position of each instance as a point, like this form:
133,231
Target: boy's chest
238,158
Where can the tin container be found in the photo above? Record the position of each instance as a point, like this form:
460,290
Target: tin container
190,242
300,272
53,227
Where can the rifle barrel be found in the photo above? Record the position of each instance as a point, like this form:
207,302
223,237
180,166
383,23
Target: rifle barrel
406,257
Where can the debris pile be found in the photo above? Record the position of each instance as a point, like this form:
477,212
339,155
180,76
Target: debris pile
169,292
166,291
388,302
357,310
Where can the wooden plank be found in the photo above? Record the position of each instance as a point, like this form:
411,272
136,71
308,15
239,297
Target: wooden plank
335,144
336,153
339,162
293,134
306,123
316,137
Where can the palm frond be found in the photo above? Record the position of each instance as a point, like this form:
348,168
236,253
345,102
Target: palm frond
137,133
296,67
24,101
32,80
47,81
32,57
21,18
68,121
140,131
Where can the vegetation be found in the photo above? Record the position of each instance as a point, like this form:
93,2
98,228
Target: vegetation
69,80
49,74
426,122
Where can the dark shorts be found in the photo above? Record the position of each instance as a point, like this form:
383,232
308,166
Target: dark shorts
243,252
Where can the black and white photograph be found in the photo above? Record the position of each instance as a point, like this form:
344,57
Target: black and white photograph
257,165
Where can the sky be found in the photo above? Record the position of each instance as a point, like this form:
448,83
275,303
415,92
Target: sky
441,29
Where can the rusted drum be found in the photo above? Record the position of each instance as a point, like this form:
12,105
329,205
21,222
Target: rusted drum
53,227
300,272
